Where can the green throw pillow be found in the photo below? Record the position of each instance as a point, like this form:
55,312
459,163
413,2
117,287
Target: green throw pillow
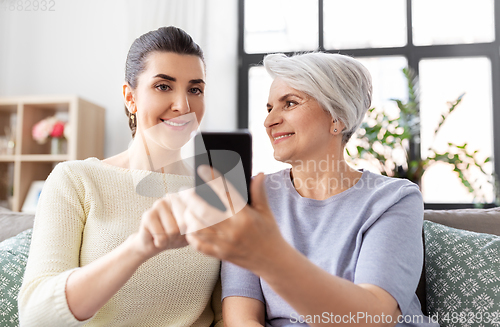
462,272
13,257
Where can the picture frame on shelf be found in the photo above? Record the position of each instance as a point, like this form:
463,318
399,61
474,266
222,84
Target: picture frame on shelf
29,205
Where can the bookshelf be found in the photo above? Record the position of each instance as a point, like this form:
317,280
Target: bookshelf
29,161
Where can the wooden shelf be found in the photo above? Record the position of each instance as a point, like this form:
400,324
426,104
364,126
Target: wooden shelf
31,161
7,158
34,157
43,157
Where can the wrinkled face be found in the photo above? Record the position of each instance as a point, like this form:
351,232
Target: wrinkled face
169,98
298,127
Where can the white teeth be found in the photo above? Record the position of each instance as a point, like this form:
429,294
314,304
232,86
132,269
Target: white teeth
282,136
174,124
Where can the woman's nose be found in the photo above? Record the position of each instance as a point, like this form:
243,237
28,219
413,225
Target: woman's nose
181,104
273,118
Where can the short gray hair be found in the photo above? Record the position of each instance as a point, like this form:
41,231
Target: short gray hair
340,84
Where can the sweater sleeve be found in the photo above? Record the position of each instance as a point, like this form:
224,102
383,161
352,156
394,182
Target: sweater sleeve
237,281
54,252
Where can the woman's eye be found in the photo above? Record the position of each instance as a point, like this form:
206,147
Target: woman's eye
163,87
269,110
290,104
196,90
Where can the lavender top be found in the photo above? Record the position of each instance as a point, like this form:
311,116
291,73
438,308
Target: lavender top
370,233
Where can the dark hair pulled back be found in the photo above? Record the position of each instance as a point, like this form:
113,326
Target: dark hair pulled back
164,39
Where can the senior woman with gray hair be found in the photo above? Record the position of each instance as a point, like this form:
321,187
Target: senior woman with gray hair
329,244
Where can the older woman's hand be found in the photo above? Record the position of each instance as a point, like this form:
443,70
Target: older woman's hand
158,231
245,237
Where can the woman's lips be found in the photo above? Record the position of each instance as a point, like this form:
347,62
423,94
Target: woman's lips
176,124
280,137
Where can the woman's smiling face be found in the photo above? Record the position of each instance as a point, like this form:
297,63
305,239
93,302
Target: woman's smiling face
298,127
169,98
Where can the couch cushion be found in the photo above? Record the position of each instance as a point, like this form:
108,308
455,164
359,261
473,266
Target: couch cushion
476,220
12,223
462,275
13,257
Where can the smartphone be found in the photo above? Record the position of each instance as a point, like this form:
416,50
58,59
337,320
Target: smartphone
231,154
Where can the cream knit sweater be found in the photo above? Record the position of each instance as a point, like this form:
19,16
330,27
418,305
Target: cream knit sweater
86,209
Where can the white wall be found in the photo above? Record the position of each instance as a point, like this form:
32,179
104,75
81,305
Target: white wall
81,47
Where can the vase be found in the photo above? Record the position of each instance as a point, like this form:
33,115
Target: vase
57,145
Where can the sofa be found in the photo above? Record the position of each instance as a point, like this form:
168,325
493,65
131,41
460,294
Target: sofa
459,284
460,279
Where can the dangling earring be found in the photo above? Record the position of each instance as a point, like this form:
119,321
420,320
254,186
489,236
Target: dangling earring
132,114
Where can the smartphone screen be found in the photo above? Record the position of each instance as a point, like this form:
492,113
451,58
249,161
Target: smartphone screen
231,154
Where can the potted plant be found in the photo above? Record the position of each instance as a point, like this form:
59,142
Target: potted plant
393,144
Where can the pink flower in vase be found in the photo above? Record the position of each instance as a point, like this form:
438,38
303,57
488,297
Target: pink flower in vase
58,129
43,129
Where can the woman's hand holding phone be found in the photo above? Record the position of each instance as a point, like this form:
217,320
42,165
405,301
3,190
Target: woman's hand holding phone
246,238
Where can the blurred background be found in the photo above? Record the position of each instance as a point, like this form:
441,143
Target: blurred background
79,48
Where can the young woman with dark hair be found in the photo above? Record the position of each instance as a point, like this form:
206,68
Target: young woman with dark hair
102,254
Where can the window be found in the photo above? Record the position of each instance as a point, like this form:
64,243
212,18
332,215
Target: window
347,26
294,29
442,80
451,44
